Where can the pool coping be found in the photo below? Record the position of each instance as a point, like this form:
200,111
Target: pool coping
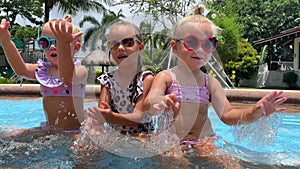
93,91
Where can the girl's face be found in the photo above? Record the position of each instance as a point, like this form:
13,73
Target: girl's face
194,44
124,45
50,48
51,53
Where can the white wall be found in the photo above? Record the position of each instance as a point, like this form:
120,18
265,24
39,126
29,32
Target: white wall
296,54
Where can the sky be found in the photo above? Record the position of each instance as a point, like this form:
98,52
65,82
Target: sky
55,13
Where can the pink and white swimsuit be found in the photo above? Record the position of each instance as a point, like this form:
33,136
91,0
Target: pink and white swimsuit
197,94
53,86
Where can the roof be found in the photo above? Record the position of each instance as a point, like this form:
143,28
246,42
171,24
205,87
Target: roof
97,58
284,37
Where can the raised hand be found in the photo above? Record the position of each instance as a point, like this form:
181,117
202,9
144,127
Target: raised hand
4,32
268,104
63,31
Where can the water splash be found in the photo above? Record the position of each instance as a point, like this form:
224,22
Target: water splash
161,140
260,133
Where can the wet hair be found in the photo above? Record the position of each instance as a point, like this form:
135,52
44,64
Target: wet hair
138,35
197,16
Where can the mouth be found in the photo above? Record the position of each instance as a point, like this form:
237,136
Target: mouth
53,55
196,57
122,57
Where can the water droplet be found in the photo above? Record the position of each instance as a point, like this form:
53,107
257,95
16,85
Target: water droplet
56,121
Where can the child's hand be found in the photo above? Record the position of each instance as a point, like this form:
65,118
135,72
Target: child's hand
105,110
63,31
94,122
268,104
167,102
4,33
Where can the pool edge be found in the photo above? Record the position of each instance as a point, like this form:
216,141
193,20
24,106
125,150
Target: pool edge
93,91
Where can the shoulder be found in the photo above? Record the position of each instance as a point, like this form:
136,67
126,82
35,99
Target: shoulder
146,75
164,75
214,84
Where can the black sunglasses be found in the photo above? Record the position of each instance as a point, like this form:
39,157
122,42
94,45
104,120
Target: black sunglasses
127,42
192,42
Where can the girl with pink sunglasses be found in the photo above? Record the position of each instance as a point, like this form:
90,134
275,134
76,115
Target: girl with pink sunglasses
185,92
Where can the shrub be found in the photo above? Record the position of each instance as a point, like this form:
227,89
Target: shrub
290,78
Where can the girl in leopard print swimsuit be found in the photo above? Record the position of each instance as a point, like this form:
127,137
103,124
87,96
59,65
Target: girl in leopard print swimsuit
123,90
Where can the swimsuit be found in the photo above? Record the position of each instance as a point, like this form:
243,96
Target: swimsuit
123,100
53,86
197,94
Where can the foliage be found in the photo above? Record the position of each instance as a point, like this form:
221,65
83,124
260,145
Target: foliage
31,10
261,18
290,78
245,65
24,33
158,8
72,7
230,33
93,34
4,80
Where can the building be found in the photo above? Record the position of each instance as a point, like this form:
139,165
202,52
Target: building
280,55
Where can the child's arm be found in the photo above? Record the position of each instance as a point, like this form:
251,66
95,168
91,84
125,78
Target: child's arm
12,54
156,101
132,118
67,46
231,115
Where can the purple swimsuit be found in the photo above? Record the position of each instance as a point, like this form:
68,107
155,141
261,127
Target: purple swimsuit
53,86
198,94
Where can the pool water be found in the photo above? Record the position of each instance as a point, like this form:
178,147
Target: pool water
52,151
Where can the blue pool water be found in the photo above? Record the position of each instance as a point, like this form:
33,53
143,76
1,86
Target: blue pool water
53,151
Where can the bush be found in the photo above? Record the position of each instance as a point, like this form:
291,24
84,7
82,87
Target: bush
4,80
290,78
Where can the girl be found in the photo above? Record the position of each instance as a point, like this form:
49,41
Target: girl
62,82
189,91
123,90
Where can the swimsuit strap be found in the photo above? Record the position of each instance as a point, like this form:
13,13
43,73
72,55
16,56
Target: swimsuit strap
172,76
206,80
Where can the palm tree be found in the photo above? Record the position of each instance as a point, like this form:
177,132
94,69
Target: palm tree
73,6
93,34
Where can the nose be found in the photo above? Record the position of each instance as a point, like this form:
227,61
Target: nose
52,46
121,47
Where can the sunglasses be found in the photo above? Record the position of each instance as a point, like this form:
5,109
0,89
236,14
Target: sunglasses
192,42
44,42
127,42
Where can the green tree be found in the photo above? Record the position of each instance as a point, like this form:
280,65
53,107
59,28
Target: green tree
73,6
157,8
31,10
261,18
229,36
24,33
93,34
245,65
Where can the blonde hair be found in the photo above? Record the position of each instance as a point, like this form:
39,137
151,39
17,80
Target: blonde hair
196,17
76,29
138,33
